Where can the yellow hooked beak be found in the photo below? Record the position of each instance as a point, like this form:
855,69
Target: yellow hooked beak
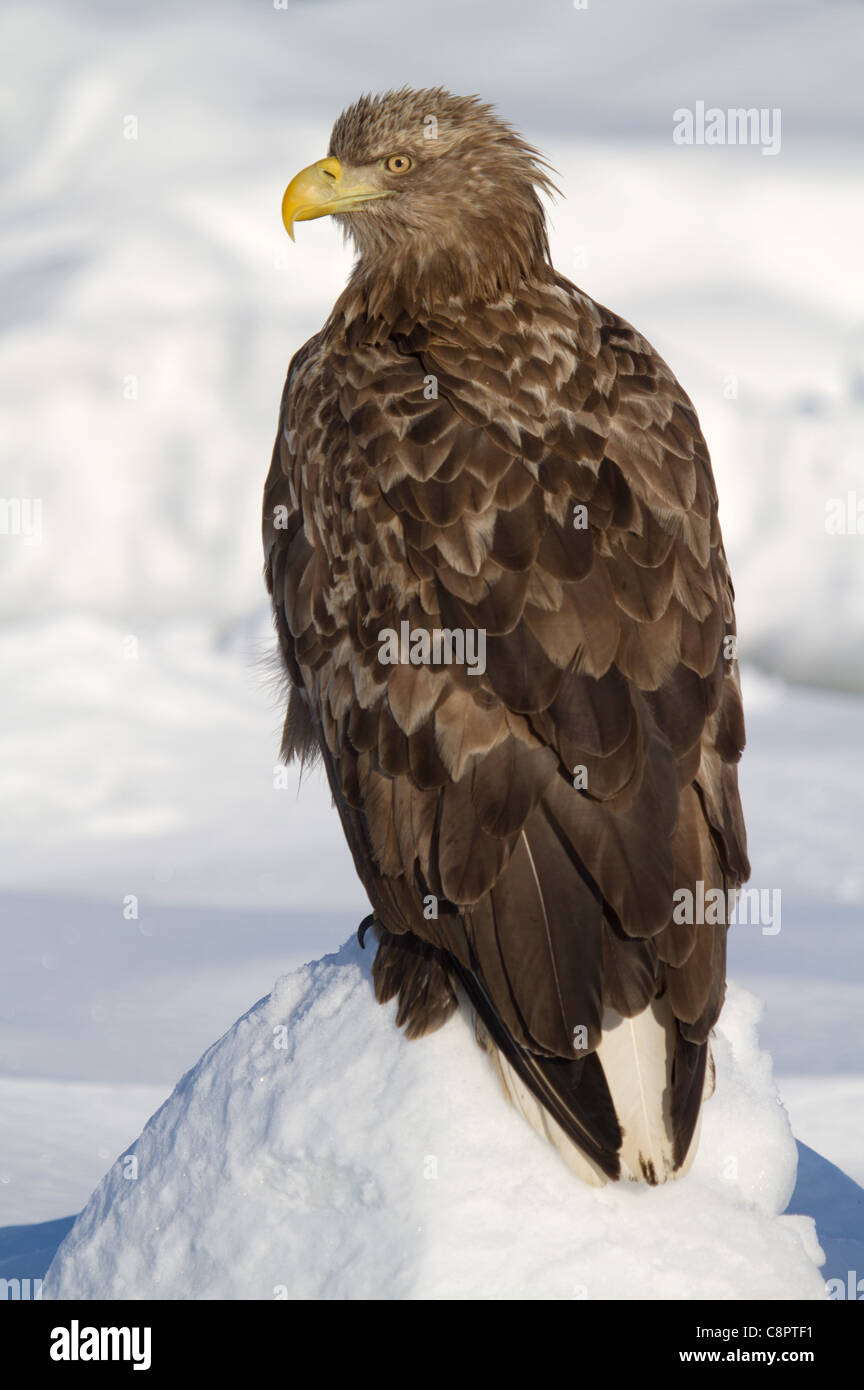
324,188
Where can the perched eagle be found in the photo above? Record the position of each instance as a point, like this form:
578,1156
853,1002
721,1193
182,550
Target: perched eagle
504,608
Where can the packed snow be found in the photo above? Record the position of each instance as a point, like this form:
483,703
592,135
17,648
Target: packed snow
314,1153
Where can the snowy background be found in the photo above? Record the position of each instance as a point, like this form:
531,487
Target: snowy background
149,307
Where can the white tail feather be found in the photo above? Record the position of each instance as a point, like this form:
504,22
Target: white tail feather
529,1107
636,1056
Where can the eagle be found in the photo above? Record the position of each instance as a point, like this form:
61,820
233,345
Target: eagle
505,615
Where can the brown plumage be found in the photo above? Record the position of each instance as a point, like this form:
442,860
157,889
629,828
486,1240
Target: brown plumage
472,443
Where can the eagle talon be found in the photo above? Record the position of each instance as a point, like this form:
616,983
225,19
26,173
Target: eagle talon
363,928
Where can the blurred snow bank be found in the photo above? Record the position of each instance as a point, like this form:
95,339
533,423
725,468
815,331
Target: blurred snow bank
314,1153
152,302
145,763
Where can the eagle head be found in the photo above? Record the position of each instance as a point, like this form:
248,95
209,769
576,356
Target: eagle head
437,192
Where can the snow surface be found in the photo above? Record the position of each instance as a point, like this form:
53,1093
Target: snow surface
39,1171
829,1108
314,1153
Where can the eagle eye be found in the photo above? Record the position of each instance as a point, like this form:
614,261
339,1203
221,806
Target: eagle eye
398,163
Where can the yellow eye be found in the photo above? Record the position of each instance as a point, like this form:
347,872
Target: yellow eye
399,163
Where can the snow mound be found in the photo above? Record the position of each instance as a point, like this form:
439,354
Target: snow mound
314,1153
